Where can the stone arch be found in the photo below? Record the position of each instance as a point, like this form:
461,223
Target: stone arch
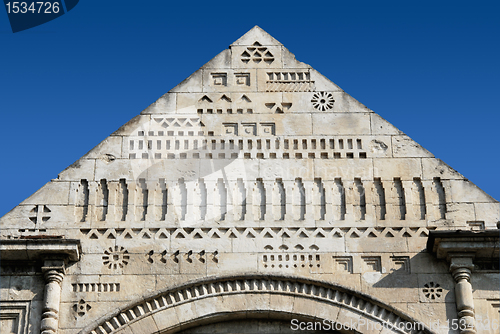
220,299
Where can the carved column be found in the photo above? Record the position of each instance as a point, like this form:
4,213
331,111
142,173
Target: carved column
461,268
53,271
53,252
459,248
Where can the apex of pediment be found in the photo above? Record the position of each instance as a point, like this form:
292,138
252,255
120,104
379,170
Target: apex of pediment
257,37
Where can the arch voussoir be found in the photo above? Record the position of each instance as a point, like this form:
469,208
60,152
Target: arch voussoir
222,299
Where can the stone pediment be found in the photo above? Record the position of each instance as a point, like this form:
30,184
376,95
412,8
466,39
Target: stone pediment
255,138
255,187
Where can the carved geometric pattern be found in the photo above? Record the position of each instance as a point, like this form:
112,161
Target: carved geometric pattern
96,287
476,225
372,263
432,290
257,53
343,264
81,308
223,99
401,264
289,82
238,110
322,101
39,214
278,109
256,232
178,122
219,79
247,129
144,207
115,257
242,79
293,260
31,231
257,285
194,144
189,256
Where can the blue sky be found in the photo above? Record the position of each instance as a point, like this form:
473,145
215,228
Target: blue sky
430,68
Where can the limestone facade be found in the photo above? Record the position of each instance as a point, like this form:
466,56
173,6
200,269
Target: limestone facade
253,194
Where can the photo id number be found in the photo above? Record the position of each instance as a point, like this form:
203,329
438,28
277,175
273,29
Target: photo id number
32,7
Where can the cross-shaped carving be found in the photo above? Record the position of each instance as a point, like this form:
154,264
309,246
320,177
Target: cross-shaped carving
39,214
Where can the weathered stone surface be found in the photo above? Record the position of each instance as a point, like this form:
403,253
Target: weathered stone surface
424,263
130,127
408,169
85,168
193,84
466,191
404,146
256,189
390,287
432,167
487,315
341,124
431,313
56,193
487,213
380,126
164,105
484,285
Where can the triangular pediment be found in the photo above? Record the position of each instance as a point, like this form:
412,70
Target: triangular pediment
254,136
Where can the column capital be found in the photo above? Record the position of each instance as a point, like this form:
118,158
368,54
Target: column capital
53,270
461,265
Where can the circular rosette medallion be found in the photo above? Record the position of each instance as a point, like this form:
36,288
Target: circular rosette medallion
322,101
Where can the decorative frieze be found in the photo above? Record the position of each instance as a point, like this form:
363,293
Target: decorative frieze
177,256
95,287
291,261
257,232
296,81
194,144
297,199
